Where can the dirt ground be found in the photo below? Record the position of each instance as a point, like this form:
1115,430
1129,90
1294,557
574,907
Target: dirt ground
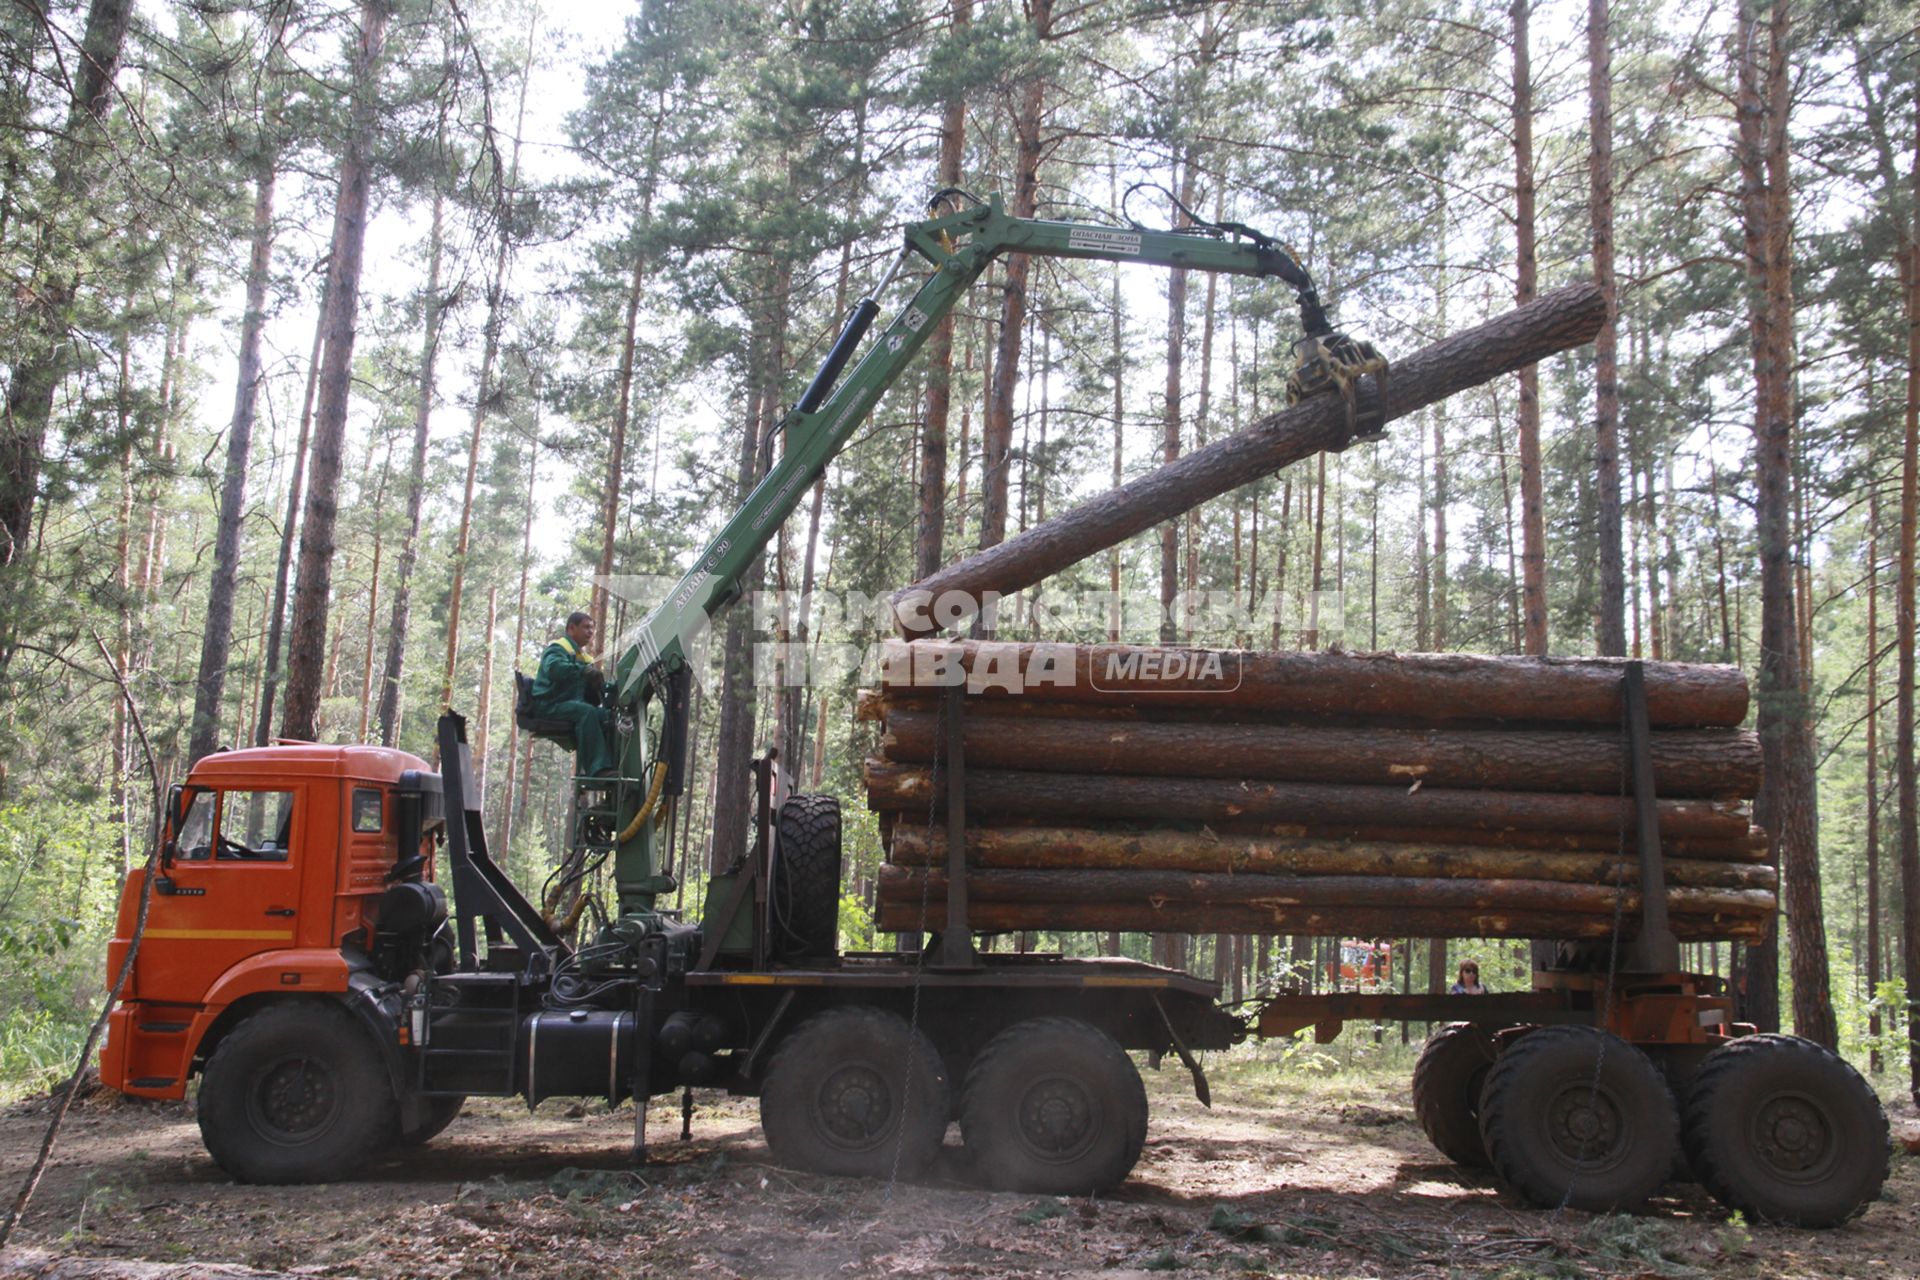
1287,1175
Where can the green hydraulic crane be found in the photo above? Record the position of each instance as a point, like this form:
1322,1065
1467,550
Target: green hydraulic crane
649,690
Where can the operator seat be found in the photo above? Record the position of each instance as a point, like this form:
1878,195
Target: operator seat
551,728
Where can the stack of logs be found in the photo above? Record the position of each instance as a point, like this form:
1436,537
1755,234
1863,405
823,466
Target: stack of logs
1427,795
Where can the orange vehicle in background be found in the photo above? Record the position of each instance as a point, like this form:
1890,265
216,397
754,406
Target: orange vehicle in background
1361,964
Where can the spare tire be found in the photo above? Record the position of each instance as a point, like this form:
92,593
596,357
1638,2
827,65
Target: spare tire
806,879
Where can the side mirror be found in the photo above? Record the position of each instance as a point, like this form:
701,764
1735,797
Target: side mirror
176,814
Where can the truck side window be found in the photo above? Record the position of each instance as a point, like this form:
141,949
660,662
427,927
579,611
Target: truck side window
256,826
194,843
366,810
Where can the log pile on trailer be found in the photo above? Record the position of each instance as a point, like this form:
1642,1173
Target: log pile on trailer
1310,793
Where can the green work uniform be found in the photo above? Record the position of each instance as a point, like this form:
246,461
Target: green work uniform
559,691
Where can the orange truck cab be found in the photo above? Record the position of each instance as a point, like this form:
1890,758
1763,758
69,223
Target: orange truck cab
279,867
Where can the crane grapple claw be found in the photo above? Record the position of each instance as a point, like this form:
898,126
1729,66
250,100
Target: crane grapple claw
1334,362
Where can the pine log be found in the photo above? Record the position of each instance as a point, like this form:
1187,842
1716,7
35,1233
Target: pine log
1338,922
1686,762
1749,848
995,794
1035,888
1556,322
1426,688
1086,848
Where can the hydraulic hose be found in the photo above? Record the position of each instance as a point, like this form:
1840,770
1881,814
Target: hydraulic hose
653,802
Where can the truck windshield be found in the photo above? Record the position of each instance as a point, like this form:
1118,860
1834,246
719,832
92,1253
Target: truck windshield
243,826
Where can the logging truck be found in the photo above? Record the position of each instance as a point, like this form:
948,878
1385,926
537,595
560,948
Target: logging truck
325,942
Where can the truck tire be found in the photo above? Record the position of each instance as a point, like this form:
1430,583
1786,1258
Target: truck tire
1785,1131
1573,1116
806,879
295,1093
1053,1106
426,1119
855,1091
1447,1080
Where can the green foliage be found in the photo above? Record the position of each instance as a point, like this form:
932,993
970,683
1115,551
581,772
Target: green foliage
59,880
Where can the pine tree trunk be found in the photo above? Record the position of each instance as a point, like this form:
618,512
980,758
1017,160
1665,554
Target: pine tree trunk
1170,416
1873,777
43,351
996,432
432,307
520,633
216,638
370,640
1785,803
611,490
929,544
306,646
289,537
1533,527
1906,755
1612,622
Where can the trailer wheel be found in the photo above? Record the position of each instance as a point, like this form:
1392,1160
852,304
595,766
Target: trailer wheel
424,1119
855,1091
1447,1079
1573,1116
1053,1106
295,1093
806,879
1785,1131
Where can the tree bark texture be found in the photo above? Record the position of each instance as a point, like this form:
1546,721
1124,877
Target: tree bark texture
929,539
1906,749
1167,902
1423,687
1687,763
396,660
996,432
306,646
216,638
1563,319
1533,517
1612,622
995,794
289,538
1049,848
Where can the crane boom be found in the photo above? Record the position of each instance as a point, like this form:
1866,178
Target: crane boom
956,246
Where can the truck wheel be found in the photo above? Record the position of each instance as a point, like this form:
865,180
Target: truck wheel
806,879
1785,1131
421,1120
1054,1106
295,1093
1446,1091
1574,1116
858,1092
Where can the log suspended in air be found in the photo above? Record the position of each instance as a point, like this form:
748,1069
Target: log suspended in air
1686,762
1406,688
1100,849
994,794
1553,323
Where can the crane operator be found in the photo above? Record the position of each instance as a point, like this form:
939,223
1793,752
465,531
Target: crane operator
568,687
